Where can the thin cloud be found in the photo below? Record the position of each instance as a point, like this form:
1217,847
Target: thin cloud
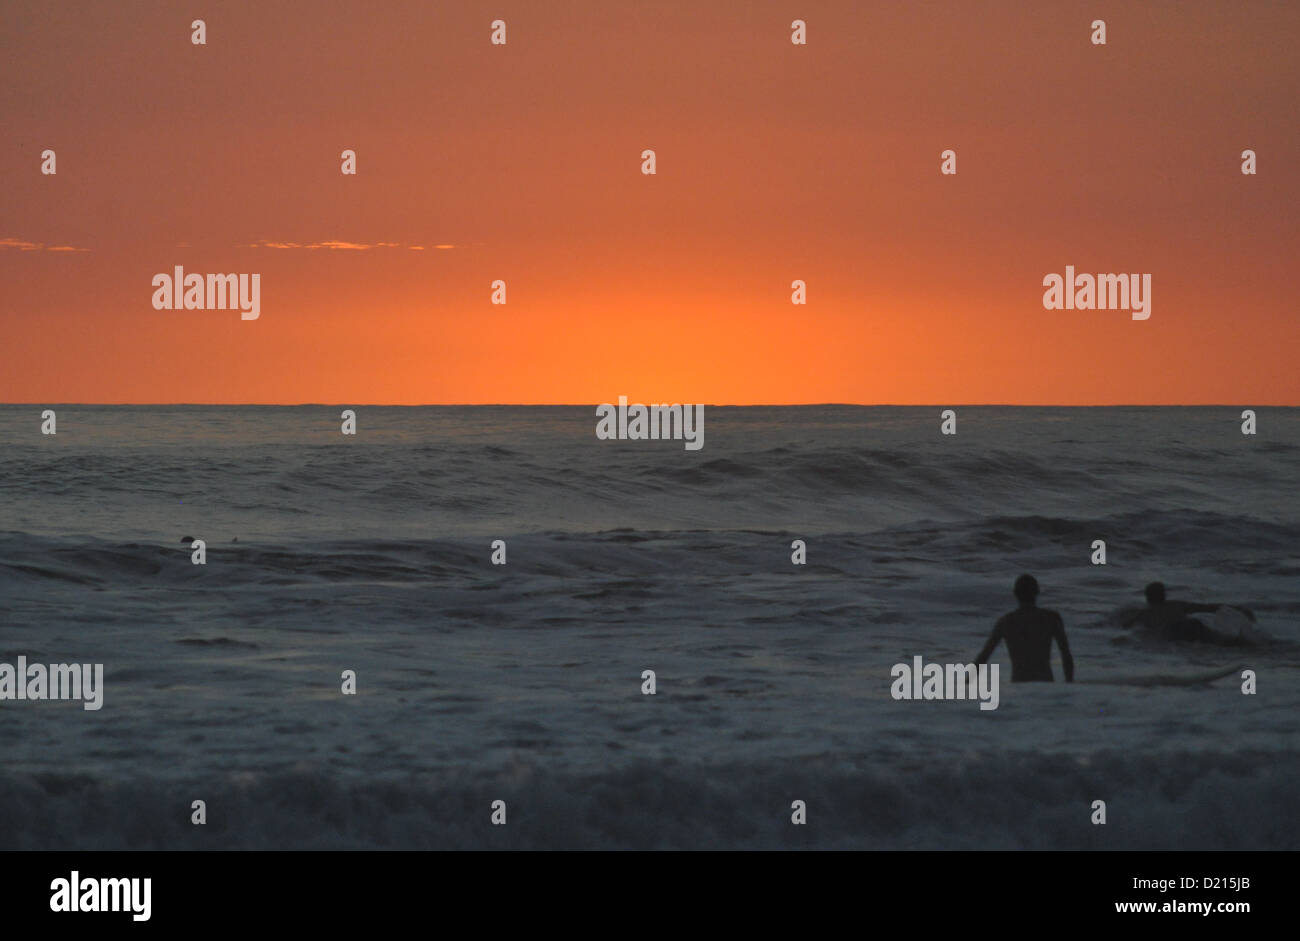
339,246
25,246
345,246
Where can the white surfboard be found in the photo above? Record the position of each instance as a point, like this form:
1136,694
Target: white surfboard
1168,679
1234,623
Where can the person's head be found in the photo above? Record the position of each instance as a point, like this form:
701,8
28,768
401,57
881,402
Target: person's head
1026,589
1156,593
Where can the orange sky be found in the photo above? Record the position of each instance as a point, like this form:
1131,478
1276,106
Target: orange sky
776,162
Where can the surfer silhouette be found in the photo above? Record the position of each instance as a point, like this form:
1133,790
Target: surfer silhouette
1171,620
1029,631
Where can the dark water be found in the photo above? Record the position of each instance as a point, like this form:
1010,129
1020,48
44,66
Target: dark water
522,682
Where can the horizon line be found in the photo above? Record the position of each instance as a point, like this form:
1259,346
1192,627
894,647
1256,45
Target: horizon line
355,404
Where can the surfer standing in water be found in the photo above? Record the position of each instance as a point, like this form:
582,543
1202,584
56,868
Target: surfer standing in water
1171,620
1029,631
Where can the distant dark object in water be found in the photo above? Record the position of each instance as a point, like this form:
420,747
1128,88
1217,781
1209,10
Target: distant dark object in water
187,539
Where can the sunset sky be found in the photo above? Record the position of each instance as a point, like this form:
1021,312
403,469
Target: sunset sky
776,162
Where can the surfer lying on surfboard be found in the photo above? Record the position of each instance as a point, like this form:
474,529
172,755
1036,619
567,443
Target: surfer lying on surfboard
1171,620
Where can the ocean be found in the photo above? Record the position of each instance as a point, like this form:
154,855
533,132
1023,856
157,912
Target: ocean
522,682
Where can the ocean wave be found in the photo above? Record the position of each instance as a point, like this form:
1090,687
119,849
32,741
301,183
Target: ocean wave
1226,543
1154,801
